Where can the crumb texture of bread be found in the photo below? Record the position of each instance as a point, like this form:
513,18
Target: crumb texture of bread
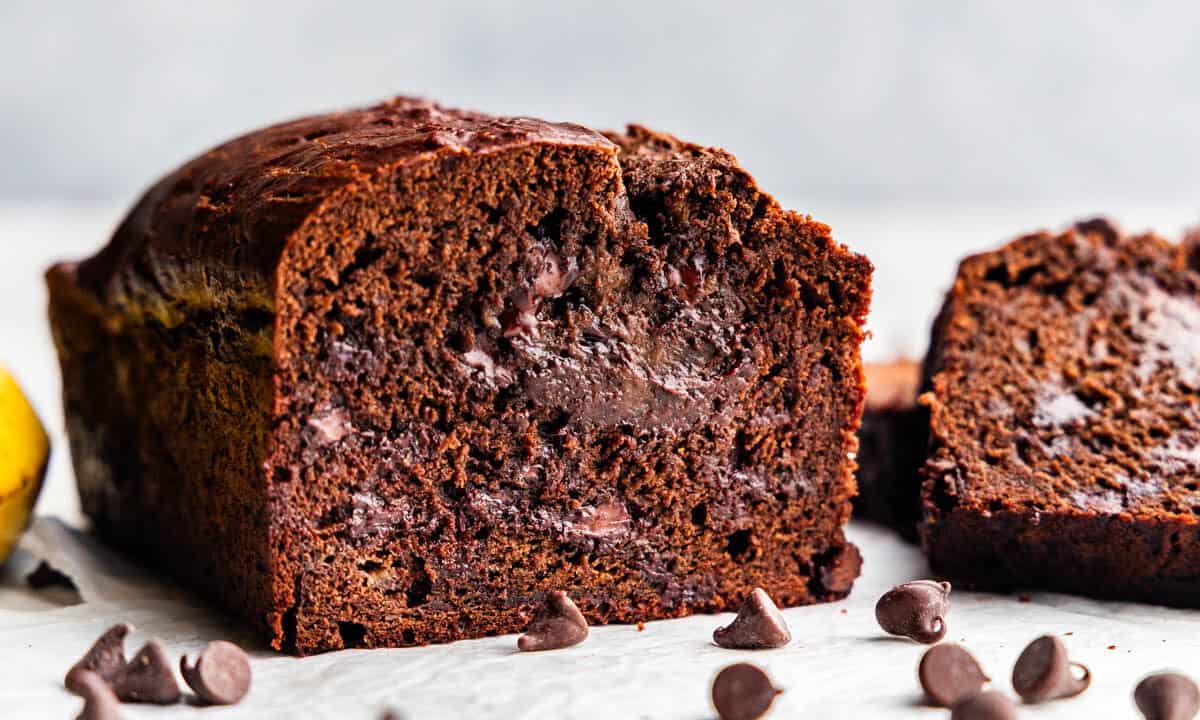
1065,425
891,447
386,377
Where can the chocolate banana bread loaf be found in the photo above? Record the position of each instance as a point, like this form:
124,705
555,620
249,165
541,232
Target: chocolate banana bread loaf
891,445
1064,374
386,377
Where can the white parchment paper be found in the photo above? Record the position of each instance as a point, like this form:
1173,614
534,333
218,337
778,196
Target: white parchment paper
839,664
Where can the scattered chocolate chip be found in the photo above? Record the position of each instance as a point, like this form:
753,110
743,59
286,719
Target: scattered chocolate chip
916,610
148,677
557,624
1044,672
742,692
221,675
1167,696
641,626
758,625
99,701
987,705
949,674
105,658
44,576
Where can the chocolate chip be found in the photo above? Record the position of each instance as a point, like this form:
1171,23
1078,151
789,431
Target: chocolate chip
949,674
916,610
1167,696
99,701
148,677
742,692
106,658
221,675
758,625
1044,672
987,705
557,624
45,576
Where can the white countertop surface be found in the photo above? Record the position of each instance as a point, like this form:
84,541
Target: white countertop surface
839,664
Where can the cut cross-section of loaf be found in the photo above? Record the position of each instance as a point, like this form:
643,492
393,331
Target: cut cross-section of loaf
385,377
1064,374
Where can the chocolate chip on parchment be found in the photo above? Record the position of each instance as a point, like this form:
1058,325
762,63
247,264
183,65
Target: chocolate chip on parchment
916,610
99,701
221,675
46,576
949,674
557,624
987,705
758,625
1044,672
742,692
148,677
106,658
1167,696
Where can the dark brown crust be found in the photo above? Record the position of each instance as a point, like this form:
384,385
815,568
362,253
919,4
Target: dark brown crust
237,205
320,385
1064,419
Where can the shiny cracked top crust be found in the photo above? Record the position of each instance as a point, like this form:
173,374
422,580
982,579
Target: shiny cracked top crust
210,234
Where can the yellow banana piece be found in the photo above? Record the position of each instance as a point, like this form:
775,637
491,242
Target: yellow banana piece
24,450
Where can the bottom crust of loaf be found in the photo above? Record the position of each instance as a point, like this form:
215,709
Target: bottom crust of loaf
831,577
1099,556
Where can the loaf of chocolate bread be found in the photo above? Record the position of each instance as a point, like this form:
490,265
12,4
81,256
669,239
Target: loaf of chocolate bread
386,377
1065,420
891,444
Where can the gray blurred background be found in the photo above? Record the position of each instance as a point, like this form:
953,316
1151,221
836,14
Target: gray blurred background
920,131
829,103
